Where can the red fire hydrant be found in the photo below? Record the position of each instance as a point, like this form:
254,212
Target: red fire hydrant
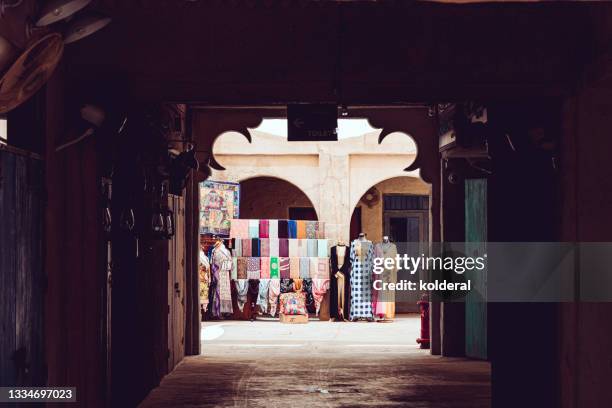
424,306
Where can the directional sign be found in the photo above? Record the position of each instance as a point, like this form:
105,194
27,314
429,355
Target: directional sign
312,122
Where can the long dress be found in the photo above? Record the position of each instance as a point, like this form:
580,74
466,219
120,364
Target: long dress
221,267
384,301
338,296
362,256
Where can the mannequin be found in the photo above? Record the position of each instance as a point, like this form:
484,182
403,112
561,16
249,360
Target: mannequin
339,283
362,258
384,301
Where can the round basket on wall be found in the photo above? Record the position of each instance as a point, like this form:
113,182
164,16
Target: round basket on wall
371,197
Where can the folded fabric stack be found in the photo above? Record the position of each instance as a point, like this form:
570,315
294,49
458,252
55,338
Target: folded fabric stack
279,253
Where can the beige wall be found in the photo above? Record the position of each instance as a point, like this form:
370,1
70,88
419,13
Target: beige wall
266,197
372,218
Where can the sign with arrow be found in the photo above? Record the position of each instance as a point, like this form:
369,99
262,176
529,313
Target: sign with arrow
312,122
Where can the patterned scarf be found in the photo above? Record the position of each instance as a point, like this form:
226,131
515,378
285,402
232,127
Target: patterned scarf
273,293
242,288
319,288
253,268
262,296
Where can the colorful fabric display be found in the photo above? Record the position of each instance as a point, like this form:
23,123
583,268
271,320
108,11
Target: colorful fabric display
284,265
264,230
234,274
286,285
265,267
274,246
253,268
262,296
283,247
313,267
242,288
311,232
320,230
274,268
293,247
246,247
241,268
264,247
292,228
319,288
321,248
237,247
273,292
253,228
301,229
293,303
312,247
304,268
239,228
273,229
294,267
255,247
283,229
302,247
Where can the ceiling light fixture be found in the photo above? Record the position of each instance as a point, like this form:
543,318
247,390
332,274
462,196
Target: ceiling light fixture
84,26
56,10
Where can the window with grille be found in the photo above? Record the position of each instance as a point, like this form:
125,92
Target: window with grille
395,202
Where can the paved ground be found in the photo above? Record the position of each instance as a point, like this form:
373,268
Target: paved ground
320,364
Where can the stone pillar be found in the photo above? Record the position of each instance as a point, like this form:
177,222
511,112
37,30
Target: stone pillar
334,207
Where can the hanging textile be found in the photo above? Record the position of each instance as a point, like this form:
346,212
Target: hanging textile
298,285
273,293
273,229
242,288
311,232
384,301
294,267
283,247
239,228
320,230
219,205
286,285
294,249
307,289
301,229
304,268
237,247
262,296
253,268
264,247
234,274
246,247
255,247
273,246
265,268
292,228
361,255
322,269
253,228
312,247
284,265
241,268
274,268
222,263
322,248
283,229
264,229
204,275
314,267
319,288
302,247
339,288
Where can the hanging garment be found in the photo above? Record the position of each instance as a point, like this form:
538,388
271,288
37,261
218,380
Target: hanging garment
384,301
255,247
274,268
284,266
294,249
241,268
204,275
253,268
264,247
311,229
307,289
294,267
283,247
322,248
292,228
225,292
253,228
312,247
262,296
222,261
274,246
314,267
302,247
265,268
239,228
293,304
304,267
242,288
252,296
234,274
339,287
273,228
362,256
283,229
246,247
320,230
286,285
273,292
237,247
298,285
319,289
264,229
214,296
301,229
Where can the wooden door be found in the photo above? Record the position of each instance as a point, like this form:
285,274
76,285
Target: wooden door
176,284
21,272
475,238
